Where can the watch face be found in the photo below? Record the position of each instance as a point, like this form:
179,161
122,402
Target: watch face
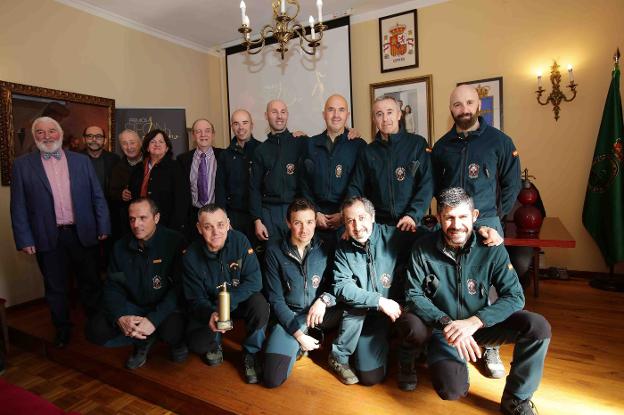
445,321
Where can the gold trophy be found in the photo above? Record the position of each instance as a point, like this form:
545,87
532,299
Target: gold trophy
224,322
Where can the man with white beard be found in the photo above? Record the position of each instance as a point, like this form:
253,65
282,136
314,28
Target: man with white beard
59,213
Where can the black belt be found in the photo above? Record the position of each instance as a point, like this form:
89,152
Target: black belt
67,226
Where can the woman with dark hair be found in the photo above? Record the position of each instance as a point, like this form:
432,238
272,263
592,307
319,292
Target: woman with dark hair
162,180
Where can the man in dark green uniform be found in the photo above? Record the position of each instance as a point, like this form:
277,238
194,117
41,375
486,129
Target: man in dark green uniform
483,161
140,295
273,181
232,182
327,164
223,255
394,171
449,276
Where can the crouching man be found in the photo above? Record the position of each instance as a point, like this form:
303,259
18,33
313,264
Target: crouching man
223,255
449,276
140,295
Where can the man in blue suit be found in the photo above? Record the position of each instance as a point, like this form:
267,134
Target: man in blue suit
59,213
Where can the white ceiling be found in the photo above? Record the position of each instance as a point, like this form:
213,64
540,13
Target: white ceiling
209,25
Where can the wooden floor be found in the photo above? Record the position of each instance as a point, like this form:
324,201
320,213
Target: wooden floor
584,370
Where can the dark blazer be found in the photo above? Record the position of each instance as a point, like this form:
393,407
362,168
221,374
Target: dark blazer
32,204
168,188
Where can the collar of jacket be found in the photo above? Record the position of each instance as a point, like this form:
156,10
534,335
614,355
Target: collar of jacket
288,249
215,255
372,239
235,147
279,136
320,142
392,138
476,133
465,250
133,244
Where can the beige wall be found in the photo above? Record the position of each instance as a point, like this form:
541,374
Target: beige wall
466,40
47,44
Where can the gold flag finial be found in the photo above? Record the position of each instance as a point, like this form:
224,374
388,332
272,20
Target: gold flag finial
616,56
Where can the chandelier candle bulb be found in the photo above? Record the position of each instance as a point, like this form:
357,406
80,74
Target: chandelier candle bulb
243,8
283,6
570,74
539,80
246,22
312,33
319,8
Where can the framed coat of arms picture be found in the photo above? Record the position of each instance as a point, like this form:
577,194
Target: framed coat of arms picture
398,41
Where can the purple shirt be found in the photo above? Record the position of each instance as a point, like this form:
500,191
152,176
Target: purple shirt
58,176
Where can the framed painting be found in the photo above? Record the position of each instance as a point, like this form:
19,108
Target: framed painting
491,94
398,41
415,98
22,104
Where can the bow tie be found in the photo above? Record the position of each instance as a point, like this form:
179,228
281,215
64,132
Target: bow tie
56,154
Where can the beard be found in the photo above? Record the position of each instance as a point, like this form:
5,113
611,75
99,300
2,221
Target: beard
50,147
466,120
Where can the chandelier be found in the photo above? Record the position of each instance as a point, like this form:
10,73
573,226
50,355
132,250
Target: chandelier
284,27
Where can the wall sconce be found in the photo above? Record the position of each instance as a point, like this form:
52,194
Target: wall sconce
556,96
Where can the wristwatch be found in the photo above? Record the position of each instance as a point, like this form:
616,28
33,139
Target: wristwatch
325,298
444,321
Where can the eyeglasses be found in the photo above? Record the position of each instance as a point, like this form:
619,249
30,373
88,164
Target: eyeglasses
91,136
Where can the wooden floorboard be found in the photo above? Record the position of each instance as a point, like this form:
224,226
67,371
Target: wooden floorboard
584,370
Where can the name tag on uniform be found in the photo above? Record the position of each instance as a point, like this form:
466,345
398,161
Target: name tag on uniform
157,261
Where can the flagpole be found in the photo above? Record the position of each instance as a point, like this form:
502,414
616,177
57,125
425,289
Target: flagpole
610,282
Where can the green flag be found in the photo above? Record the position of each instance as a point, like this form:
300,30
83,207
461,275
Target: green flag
603,212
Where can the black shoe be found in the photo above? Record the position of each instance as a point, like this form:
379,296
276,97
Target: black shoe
61,339
179,353
491,365
407,376
214,358
139,356
512,406
252,366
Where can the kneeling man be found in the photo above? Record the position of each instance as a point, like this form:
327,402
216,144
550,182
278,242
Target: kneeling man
140,296
449,276
223,255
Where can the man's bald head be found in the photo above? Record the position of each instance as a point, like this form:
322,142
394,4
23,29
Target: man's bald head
242,125
465,106
336,114
277,115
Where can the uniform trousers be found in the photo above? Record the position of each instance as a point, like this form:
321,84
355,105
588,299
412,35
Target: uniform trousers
530,332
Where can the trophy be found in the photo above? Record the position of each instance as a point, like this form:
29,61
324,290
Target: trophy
224,322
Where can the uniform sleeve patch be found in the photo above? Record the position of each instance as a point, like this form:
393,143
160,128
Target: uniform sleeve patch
515,153
428,149
510,267
157,261
250,251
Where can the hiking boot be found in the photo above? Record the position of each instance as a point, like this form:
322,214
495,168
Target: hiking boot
139,356
252,366
214,358
342,370
490,365
512,406
407,376
179,353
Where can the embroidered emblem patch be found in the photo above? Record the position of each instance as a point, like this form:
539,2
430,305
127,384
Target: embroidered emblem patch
386,280
514,153
339,171
157,282
290,169
472,286
157,261
473,171
400,173
234,266
250,251
235,282
509,267
316,281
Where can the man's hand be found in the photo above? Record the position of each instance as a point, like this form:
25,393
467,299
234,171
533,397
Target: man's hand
390,308
30,250
490,236
406,224
299,133
306,342
145,328
126,195
321,221
459,330
334,221
127,324
102,237
353,134
261,231
213,323
316,313
468,349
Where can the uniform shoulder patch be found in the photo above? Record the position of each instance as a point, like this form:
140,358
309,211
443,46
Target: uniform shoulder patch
510,267
515,153
428,149
250,251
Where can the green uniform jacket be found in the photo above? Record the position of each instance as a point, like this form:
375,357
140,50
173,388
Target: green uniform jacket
147,276
364,273
439,285
396,176
236,263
